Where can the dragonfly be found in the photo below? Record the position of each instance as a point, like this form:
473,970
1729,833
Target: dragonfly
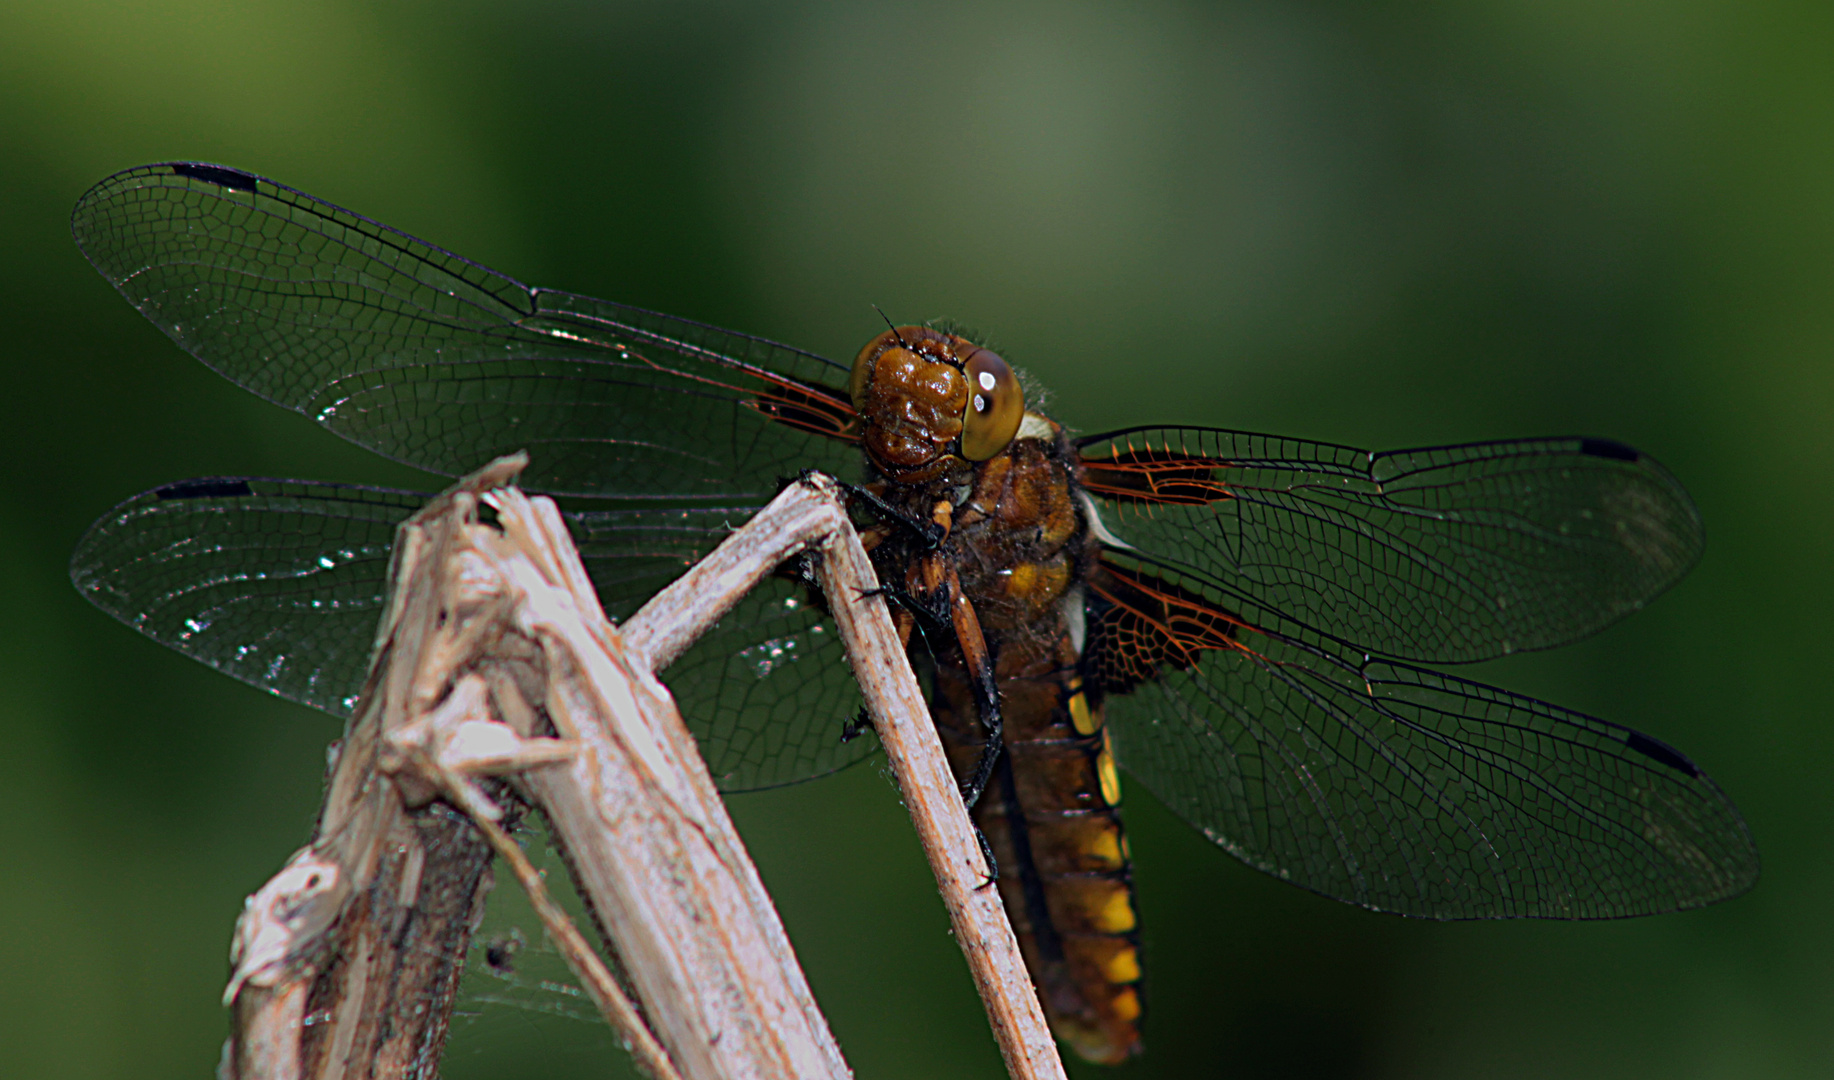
1243,622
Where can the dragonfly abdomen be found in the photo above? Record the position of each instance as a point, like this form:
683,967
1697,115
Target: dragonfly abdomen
1052,819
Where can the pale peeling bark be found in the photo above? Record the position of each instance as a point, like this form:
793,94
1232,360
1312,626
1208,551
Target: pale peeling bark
495,660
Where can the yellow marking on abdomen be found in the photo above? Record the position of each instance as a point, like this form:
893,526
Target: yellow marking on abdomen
1103,849
1123,966
1126,1005
1085,720
1116,915
1106,772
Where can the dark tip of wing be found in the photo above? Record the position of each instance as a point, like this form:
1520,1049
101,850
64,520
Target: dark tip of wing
216,174
1657,750
1608,448
205,489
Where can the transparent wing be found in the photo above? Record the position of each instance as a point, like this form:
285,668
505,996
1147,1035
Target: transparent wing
435,361
280,583
1394,787
769,691
277,583
1440,555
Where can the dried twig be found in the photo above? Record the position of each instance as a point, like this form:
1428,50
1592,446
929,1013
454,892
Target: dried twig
346,963
647,836
903,722
494,639
812,515
442,753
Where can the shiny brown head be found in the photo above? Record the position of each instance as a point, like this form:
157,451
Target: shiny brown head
932,402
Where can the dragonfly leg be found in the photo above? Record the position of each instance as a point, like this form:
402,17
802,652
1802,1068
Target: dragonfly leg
978,659
933,613
993,864
930,533
910,608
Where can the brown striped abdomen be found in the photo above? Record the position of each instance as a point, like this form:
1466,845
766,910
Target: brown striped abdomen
1052,818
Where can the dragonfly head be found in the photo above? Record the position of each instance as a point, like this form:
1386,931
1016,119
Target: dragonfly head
930,401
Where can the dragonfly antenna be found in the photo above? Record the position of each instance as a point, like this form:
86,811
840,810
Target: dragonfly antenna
890,326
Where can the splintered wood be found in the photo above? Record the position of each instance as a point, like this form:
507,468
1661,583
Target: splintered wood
496,679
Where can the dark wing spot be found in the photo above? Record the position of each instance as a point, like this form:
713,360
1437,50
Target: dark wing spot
1662,752
1608,448
216,174
205,489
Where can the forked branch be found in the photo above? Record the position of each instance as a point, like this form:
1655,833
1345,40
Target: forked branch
495,661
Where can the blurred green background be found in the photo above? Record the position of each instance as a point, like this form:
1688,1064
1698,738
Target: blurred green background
1379,223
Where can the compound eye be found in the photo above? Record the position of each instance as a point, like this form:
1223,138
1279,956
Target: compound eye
995,406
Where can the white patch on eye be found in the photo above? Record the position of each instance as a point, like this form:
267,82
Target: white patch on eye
980,403
1100,530
988,382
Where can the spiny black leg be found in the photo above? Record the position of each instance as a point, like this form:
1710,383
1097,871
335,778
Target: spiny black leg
933,615
987,700
929,532
993,864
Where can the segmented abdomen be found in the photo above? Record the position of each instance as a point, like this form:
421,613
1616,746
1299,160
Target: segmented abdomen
1052,817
